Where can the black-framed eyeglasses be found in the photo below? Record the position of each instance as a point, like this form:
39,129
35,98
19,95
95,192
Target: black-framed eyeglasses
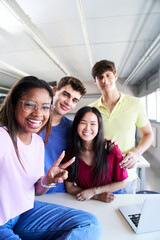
31,106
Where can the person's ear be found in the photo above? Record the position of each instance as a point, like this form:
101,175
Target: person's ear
116,76
54,89
95,80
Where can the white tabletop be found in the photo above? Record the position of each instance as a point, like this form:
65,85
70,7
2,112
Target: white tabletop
114,225
142,162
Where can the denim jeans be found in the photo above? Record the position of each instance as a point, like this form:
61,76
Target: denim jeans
121,191
131,187
51,221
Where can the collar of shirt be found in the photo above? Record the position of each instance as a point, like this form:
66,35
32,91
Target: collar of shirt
100,104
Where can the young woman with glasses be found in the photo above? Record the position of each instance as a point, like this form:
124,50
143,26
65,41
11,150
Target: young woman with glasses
24,113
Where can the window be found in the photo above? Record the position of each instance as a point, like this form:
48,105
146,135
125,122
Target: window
149,88
143,99
158,105
151,106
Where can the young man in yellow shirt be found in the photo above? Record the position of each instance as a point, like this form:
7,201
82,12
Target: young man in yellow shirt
121,115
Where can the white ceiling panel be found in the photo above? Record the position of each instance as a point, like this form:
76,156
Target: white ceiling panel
63,33
106,8
34,63
54,38
6,81
20,41
103,51
46,11
75,57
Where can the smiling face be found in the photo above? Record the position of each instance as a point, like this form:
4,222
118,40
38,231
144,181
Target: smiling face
32,121
106,81
65,100
88,127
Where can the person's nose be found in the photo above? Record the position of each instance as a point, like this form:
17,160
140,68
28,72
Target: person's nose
87,126
68,101
104,79
38,110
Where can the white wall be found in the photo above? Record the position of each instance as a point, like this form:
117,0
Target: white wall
155,151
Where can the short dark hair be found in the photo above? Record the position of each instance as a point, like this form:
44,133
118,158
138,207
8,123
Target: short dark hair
102,66
75,83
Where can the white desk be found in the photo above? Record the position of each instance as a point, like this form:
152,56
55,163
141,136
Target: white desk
142,163
114,225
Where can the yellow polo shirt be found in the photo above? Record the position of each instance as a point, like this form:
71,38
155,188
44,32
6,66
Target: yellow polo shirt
121,123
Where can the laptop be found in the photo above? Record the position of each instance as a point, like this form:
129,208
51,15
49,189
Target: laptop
143,218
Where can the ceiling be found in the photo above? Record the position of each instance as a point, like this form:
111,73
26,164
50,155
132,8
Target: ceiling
54,38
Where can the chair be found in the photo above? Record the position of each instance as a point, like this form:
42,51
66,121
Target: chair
147,192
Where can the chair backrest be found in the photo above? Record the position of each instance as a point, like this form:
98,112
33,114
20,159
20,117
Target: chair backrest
147,192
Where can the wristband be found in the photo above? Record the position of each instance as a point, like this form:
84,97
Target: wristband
47,186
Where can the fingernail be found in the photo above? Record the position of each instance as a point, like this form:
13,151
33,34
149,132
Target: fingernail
60,180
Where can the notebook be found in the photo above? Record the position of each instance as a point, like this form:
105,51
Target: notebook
144,217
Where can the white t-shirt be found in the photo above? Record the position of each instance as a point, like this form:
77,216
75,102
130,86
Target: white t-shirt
16,185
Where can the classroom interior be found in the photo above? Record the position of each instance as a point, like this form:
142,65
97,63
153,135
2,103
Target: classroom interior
51,39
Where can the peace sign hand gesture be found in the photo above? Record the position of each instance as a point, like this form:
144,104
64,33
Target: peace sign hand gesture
57,173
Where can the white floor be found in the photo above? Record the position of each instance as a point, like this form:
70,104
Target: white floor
152,174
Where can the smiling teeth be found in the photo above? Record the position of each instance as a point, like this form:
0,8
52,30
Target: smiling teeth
87,133
35,121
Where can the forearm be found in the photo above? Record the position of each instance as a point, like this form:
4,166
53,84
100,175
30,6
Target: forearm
112,187
146,140
72,189
130,158
144,144
42,187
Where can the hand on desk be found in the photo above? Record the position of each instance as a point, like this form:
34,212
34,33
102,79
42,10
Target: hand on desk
85,194
105,197
89,193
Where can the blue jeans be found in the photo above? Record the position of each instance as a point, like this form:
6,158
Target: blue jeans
131,186
121,191
51,221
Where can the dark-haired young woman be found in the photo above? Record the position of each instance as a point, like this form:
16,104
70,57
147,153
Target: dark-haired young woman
96,172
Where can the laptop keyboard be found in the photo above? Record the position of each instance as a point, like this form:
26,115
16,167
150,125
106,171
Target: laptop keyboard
135,218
